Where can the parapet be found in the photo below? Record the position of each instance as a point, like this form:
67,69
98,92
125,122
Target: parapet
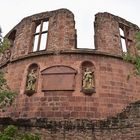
47,31
54,32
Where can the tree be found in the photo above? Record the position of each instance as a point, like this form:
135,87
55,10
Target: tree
0,37
134,59
4,42
137,36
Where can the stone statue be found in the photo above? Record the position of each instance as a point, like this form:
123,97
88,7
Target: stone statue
31,80
88,79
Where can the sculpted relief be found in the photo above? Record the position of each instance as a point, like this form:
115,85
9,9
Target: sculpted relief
88,77
31,82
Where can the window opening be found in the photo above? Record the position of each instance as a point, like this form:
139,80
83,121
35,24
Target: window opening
40,36
12,37
125,41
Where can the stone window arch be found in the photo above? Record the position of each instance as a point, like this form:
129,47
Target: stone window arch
32,79
88,77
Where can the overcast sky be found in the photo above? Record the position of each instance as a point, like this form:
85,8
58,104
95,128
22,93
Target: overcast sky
13,11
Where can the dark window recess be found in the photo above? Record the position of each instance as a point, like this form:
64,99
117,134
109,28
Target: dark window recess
12,37
124,35
40,36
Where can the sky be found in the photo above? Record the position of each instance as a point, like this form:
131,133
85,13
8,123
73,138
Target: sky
13,11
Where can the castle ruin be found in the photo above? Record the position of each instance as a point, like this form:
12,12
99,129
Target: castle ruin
65,87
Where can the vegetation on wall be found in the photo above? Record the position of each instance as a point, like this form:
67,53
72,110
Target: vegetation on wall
137,36
134,59
0,35
12,133
4,42
6,99
6,95
4,45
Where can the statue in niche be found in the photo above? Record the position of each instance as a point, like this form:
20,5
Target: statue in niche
88,79
31,80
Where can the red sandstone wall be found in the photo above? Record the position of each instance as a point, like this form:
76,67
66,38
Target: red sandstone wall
113,90
61,32
123,126
107,36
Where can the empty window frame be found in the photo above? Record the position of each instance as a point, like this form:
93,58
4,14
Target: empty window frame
12,37
40,36
124,33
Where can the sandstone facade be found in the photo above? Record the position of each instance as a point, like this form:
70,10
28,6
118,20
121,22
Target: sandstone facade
60,67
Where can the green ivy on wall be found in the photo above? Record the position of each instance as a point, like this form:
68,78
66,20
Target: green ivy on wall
6,99
12,133
6,95
4,45
134,59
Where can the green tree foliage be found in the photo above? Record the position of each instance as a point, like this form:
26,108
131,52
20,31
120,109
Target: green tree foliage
135,59
12,133
0,36
137,36
6,95
4,43
2,80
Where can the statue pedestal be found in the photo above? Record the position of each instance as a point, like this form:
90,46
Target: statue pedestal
29,92
88,91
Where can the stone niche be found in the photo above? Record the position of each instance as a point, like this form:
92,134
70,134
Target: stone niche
58,78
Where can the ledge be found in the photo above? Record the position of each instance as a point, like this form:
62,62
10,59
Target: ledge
33,54
90,52
77,51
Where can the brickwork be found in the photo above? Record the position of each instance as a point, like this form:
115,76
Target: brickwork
107,36
124,126
113,89
61,32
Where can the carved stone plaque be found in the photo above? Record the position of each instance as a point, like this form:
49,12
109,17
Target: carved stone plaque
58,78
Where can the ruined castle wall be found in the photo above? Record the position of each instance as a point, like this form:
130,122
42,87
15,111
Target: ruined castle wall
123,126
107,34
114,88
61,32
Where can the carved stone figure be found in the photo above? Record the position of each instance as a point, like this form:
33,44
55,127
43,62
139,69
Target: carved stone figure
88,79
31,80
